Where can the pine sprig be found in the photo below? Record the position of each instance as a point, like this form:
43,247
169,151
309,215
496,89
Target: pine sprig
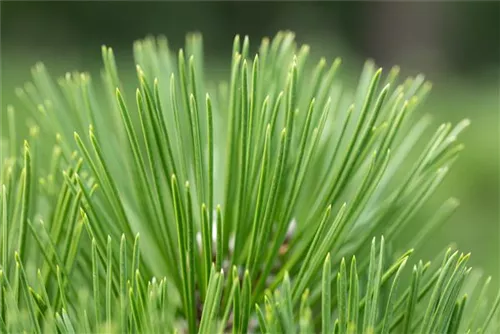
258,201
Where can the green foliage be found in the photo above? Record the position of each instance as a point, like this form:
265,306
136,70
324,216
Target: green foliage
306,174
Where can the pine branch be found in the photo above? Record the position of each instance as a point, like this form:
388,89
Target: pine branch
255,200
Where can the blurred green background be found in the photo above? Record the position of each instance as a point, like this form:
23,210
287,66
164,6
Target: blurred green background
456,44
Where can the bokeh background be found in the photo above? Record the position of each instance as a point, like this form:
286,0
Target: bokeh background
455,44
